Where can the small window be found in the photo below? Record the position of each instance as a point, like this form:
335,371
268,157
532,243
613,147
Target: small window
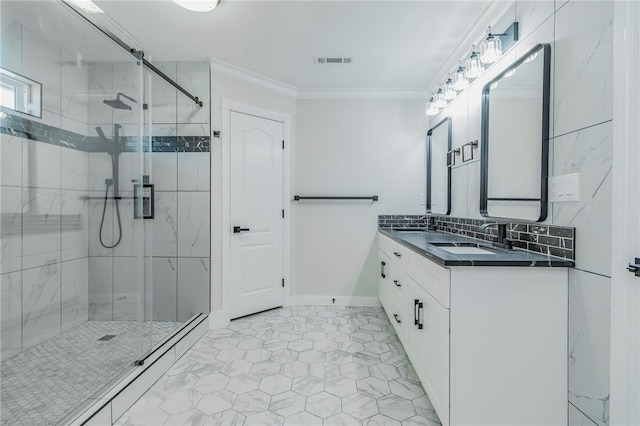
20,93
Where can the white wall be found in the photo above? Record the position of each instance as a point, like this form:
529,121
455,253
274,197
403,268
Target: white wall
352,147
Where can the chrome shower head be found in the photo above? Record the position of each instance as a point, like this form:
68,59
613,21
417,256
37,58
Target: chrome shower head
117,103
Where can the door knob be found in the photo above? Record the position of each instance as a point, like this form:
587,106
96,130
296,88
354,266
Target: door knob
237,229
635,267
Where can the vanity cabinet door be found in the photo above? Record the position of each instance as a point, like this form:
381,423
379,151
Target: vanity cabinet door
416,333
384,280
436,375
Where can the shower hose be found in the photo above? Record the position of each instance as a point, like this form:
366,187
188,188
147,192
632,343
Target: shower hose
104,211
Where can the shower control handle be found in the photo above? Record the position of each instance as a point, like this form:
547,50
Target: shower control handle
237,229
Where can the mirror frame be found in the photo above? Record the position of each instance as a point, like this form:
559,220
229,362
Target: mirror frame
484,155
448,122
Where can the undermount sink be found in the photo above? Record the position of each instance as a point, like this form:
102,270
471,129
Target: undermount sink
463,248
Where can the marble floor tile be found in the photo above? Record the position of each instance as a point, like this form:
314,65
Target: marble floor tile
296,366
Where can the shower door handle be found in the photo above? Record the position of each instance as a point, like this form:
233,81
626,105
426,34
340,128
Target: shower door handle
237,229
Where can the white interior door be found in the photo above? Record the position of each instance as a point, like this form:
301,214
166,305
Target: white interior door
256,243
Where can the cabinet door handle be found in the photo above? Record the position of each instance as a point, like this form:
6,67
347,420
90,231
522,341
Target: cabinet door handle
415,312
382,265
398,255
420,324
396,318
397,283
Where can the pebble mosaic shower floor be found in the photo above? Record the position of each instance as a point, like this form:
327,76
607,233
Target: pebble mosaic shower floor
297,366
45,383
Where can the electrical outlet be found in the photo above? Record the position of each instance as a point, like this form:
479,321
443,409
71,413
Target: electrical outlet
564,188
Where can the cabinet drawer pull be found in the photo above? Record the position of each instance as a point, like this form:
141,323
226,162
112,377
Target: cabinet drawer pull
415,312
398,255
420,308
397,283
396,318
382,273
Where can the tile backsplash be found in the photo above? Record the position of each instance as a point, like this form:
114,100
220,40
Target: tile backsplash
545,239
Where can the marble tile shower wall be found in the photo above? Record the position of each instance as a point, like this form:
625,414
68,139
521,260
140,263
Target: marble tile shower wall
581,38
43,230
178,242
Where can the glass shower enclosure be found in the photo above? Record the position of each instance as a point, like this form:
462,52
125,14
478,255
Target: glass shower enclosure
77,297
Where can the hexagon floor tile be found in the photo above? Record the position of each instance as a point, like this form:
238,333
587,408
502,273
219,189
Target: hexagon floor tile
301,365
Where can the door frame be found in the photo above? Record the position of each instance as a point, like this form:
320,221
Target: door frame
229,106
625,288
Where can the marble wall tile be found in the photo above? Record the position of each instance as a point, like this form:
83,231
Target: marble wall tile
10,160
164,227
589,344
11,314
41,60
588,152
41,236
165,289
74,87
127,80
75,238
95,208
194,171
164,171
100,82
11,206
127,289
165,96
132,229
75,292
10,43
193,287
530,14
584,54
74,169
40,165
193,224
41,303
194,77
577,418
100,288
100,168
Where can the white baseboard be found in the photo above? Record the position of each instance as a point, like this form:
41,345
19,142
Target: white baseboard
218,319
339,301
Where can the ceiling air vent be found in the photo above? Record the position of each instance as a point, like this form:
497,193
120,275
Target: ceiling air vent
331,60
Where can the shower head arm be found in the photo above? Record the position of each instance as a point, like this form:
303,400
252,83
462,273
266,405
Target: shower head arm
125,96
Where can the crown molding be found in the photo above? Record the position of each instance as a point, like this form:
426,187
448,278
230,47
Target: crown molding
243,75
410,93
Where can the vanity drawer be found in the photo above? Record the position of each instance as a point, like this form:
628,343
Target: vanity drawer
431,277
397,252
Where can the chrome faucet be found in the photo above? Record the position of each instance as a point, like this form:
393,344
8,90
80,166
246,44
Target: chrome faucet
503,241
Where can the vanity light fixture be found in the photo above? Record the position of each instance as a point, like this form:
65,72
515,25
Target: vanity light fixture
474,67
440,102
431,107
449,92
460,81
491,49
531,58
198,5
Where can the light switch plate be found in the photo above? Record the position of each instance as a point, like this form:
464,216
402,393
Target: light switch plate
564,188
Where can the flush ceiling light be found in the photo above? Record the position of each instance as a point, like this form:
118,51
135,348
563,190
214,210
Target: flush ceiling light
432,109
198,5
460,81
86,6
474,67
440,102
491,49
449,92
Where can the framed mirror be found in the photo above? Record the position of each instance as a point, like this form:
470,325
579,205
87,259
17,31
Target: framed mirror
438,168
515,139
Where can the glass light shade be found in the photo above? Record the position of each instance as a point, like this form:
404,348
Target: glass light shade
474,67
198,5
440,102
431,108
449,92
491,50
460,81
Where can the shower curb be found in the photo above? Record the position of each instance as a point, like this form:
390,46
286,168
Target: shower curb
107,408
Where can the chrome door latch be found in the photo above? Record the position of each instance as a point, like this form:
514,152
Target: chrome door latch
635,268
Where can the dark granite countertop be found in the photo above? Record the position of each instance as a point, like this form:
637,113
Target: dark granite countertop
422,242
